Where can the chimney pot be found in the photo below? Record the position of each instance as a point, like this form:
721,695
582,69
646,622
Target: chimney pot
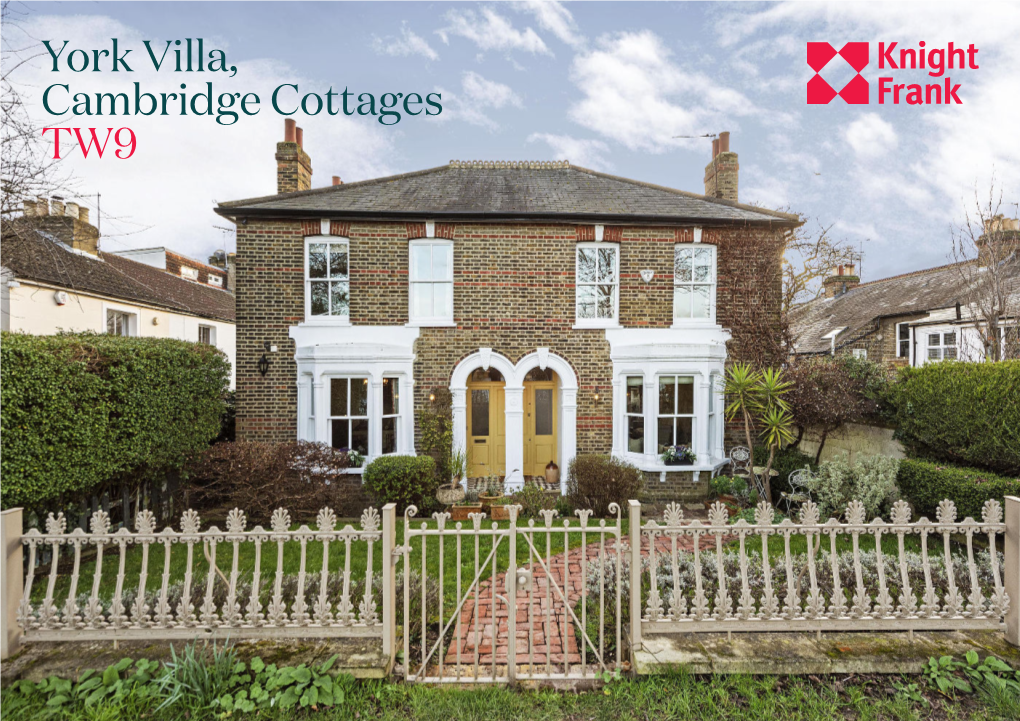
840,272
715,147
337,181
29,207
83,214
42,205
71,210
724,141
56,205
289,126
300,138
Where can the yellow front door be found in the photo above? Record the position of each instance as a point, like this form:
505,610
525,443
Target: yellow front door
486,426
539,426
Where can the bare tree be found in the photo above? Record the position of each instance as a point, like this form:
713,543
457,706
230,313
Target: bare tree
809,259
985,251
26,170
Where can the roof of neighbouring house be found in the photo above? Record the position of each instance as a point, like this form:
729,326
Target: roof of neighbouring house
35,255
856,310
545,190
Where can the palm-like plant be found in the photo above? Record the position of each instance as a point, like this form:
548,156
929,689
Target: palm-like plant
757,396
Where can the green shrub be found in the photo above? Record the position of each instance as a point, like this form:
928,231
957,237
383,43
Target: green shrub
435,434
532,499
595,481
925,483
964,413
404,480
871,480
83,411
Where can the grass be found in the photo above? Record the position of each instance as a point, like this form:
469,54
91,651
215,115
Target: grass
313,559
675,697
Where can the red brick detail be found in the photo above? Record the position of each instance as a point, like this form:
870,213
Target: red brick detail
415,230
311,227
684,235
340,228
585,233
613,233
445,230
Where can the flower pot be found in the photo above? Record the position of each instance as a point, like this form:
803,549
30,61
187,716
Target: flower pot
448,495
487,500
460,513
499,513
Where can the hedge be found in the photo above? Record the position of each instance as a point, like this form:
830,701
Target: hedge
81,411
925,483
404,480
963,413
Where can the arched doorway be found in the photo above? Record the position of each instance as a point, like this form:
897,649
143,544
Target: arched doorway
486,423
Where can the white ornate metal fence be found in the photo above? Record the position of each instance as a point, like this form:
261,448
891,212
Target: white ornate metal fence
249,603
558,609
711,590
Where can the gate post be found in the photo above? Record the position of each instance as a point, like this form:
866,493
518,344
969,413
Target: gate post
1012,575
634,519
389,586
510,581
12,579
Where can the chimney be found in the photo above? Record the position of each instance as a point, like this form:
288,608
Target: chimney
28,207
337,181
843,280
231,270
1000,239
68,223
721,173
293,166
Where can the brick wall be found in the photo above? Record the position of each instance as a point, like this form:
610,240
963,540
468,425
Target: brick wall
513,292
175,262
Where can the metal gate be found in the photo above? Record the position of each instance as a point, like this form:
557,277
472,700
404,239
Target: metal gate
535,601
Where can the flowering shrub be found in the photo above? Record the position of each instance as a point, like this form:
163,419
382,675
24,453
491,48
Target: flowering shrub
679,454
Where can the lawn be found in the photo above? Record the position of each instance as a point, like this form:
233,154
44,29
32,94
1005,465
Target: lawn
675,697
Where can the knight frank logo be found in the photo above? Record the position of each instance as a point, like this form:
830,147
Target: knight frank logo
935,61
855,92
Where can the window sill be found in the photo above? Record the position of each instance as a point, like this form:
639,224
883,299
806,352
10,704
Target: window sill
609,324
687,323
431,324
355,471
657,467
345,322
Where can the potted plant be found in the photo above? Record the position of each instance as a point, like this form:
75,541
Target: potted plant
552,474
468,504
732,491
499,511
453,492
354,459
679,456
490,491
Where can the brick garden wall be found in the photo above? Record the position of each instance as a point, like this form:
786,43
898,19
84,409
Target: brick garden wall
513,292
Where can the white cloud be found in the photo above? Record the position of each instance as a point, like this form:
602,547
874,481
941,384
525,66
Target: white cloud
556,19
408,43
477,95
870,136
165,193
636,95
491,31
579,151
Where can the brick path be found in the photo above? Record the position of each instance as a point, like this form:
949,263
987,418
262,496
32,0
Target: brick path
548,612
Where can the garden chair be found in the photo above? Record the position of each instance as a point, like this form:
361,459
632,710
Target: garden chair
740,461
800,488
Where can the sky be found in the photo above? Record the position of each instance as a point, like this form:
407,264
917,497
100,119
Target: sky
604,85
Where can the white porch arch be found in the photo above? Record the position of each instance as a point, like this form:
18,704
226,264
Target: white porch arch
514,375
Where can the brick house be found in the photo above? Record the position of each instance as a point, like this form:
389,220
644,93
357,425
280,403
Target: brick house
565,311
912,319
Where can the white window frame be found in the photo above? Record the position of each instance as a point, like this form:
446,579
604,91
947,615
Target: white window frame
693,415
189,273
580,322
428,321
311,240
712,413
861,353
713,285
383,415
328,410
212,333
131,313
642,414
907,340
217,281
942,346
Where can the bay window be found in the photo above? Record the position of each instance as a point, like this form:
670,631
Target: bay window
390,414
635,413
348,413
676,411
431,276
327,279
598,284
694,282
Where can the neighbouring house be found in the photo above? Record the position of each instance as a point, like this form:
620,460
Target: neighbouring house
218,272
564,310
912,319
56,277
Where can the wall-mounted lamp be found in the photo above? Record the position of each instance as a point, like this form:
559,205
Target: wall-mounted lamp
597,394
432,397
263,364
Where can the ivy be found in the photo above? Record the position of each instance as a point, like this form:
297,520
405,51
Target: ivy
80,411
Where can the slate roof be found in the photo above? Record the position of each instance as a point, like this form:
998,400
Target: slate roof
857,309
527,191
35,255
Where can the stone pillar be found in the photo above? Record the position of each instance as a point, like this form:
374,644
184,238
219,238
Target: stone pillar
568,433
459,411
1011,578
514,427
12,580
